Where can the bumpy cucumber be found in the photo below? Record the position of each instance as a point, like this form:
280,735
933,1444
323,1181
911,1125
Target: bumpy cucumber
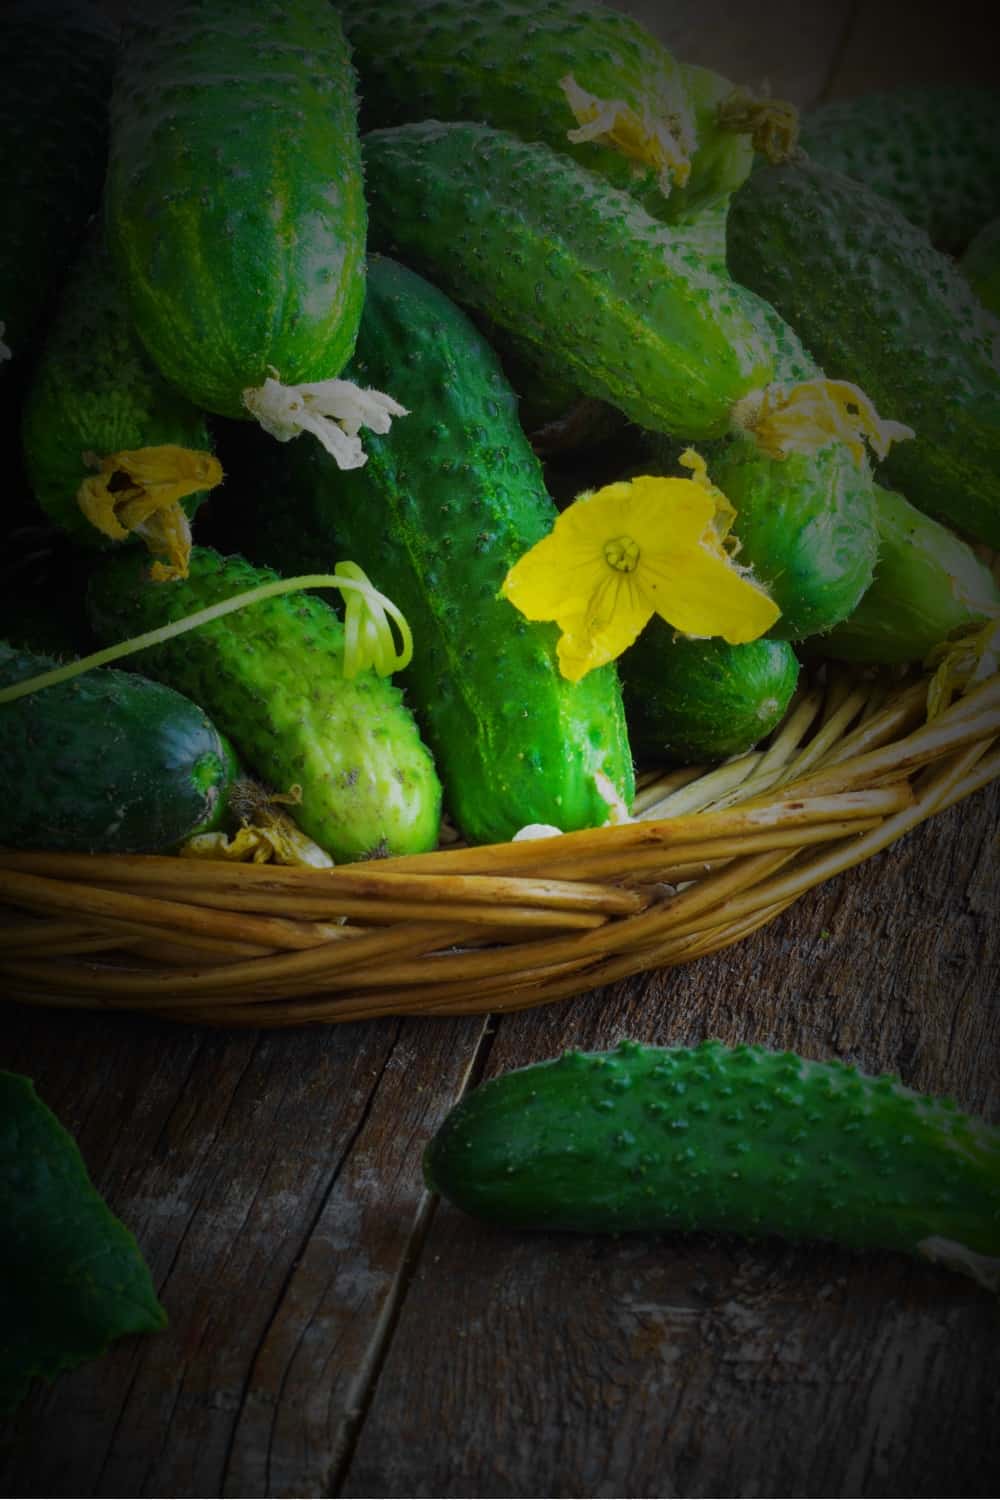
107,761
446,504
928,585
805,523
501,62
931,150
572,267
58,59
272,677
722,159
878,305
235,203
980,265
688,701
718,1138
94,392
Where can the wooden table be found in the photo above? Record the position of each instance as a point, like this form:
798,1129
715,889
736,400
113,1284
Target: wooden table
335,1331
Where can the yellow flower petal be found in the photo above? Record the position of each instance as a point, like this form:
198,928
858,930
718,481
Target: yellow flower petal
141,490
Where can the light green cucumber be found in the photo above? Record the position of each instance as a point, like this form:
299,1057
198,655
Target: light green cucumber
271,675
932,150
94,392
235,203
578,272
980,265
691,701
446,504
107,762
878,305
736,1139
928,585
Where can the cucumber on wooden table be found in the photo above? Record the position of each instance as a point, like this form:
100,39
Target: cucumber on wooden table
735,1139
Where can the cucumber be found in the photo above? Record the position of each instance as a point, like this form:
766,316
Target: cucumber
235,203
717,1138
447,503
580,274
93,392
691,701
932,150
805,523
878,305
106,762
502,62
271,675
980,265
58,61
928,585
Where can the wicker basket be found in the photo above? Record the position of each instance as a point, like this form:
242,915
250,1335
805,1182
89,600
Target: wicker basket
711,856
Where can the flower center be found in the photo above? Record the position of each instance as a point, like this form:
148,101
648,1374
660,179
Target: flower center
622,554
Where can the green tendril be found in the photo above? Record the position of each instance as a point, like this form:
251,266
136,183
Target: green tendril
368,637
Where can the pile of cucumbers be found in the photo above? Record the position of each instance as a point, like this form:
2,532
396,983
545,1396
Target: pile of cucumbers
336,253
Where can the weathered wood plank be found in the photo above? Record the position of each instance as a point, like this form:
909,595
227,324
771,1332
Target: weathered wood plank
696,1365
272,1181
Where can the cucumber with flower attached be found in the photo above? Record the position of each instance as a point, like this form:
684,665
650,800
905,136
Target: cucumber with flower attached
110,449
236,212
578,272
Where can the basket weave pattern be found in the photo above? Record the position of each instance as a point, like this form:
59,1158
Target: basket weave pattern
710,857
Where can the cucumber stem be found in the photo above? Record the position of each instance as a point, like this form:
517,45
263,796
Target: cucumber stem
334,411
771,124
382,657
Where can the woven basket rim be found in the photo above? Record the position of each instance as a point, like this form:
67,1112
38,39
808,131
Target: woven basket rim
710,856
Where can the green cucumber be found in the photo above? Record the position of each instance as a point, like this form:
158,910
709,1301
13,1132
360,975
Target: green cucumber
93,392
690,701
577,271
235,203
446,504
928,585
932,150
878,305
805,523
272,677
980,265
717,1138
107,762
58,60
501,62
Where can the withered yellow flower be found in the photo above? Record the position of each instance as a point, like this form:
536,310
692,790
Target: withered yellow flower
639,547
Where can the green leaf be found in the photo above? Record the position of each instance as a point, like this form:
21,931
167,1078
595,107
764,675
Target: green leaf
72,1278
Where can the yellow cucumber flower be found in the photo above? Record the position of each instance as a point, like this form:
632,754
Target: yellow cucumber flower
141,490
639,547
646,140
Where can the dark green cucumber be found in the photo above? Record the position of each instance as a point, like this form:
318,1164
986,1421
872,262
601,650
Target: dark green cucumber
928,585
980,265
932,150
689,701
717,1138
271,675
878,305
93,391
235,203
446,504
58,60
577,271
501,62
106,762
